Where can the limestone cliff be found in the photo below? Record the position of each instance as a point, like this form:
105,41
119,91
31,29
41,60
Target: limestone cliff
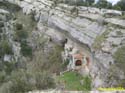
86,25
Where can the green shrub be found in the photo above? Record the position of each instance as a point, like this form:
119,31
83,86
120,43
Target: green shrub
26,50
55,60
87,83
19,26
20,35
119,55
2,77
20,82
50,59
100,39
5,48
9,67
75,2
44,80
65,63
27,20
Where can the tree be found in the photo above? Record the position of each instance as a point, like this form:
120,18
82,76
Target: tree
74,2
116,7
104,4
90,2
109,5
120,5
80,2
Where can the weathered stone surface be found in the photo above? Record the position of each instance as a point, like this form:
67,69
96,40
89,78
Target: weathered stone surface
83,29
116,21
84,24
112,12
3,11
7,58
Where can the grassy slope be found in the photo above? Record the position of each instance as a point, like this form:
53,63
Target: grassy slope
71,80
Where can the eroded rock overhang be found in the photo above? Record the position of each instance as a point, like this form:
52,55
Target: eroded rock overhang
82,23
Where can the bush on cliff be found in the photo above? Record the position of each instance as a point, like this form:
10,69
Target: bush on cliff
5,48
26,50
120,55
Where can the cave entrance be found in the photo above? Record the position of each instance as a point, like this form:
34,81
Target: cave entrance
78,63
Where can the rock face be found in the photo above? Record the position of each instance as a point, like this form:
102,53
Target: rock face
81,23
6,36
85,25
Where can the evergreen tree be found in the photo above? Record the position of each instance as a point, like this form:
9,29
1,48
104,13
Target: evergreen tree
90,2
120,5
103,4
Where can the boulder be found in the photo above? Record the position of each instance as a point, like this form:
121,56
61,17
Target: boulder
112,13
2,17
2,11
7,58
106,47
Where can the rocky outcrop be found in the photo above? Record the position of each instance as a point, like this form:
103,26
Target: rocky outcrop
7,35
81,23
86,25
